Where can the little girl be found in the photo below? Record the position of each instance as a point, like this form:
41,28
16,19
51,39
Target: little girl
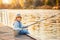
19,27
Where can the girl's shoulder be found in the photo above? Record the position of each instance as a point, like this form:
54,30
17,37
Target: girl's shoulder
16,22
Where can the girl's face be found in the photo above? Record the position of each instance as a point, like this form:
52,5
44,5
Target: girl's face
18,19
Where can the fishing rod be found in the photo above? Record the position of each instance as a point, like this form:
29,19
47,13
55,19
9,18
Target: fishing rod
41,20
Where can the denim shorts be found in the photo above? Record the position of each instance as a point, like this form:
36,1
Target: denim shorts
23,32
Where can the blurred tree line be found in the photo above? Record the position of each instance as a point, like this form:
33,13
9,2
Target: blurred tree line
46,2
31,4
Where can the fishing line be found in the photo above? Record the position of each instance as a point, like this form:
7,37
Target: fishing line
42,20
